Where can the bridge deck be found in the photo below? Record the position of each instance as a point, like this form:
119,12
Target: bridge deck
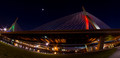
65,31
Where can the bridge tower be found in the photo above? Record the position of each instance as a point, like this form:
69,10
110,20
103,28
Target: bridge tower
89,20
12,28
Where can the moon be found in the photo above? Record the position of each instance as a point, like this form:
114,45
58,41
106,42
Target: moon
43,9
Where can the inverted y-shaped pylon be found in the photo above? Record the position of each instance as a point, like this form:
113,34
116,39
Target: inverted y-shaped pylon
12,28
89,20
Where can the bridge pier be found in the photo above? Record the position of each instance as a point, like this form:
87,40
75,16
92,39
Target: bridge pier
100,43
86,47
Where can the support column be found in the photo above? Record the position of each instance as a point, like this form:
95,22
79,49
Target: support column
86,48
100,43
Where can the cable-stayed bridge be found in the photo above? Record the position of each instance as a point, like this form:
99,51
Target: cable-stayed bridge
78,27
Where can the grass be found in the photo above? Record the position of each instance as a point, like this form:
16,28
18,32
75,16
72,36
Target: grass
7,51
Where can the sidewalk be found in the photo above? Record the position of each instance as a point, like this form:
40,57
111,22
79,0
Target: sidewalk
116,54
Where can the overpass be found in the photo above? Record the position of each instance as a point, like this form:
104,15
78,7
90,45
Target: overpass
82,36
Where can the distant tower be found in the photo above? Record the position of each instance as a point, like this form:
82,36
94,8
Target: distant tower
12,28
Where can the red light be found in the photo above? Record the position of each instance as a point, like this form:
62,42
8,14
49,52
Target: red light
87,22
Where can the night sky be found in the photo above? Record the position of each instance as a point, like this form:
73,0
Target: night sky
34,13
